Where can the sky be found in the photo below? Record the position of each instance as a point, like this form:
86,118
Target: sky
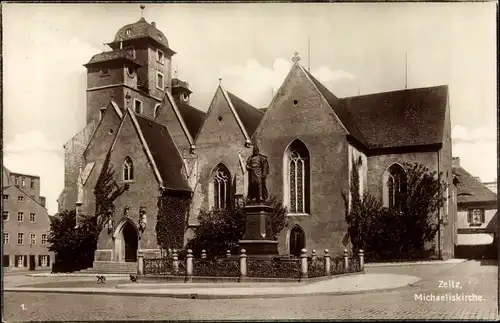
353,49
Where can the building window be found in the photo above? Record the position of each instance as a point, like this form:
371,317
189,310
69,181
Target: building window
43,261
159,81
395,186
128,170
159,56
16,181
20,238
20,217
296,177
23,182
6,196
130,50
104,71
32,184
128,32
222,187
157,110
6,238
32,239
6,215
19,261
137,106
475,217
32,217
20,198
6,261
44,238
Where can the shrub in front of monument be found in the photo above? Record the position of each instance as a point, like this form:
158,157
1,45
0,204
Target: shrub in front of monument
220,230
275,268
216,268
316,267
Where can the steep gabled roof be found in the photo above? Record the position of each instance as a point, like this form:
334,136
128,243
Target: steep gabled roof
115,55
249,115
182,121
400,118
164,152
193,117
470,189
339,109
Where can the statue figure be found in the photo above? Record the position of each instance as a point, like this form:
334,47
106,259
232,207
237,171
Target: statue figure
258,169
110,221
142,220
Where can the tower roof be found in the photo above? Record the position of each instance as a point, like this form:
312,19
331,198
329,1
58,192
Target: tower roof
139,30
121,54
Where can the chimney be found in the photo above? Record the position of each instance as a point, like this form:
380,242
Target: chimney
455,162
153,24
477,178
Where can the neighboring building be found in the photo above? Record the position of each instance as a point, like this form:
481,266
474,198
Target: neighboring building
159,144
477,216
26,223
493,186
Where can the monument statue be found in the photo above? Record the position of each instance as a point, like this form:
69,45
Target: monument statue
258,169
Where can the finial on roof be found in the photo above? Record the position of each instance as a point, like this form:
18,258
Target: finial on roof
295,57
220,80
142,10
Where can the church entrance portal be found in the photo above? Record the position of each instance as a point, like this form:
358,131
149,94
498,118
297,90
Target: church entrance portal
130,242
297,241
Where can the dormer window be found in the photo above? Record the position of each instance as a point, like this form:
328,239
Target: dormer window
128,32
159,81
137,106
159,56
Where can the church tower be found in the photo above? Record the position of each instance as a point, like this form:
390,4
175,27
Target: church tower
135,73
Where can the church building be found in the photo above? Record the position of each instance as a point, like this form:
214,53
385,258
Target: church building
140,120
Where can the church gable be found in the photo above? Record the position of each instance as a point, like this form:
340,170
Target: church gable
299,107
104,133
222,123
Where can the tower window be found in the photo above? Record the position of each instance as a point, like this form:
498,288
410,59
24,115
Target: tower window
159,56
128,31
104,71
101,113
130,71
159,81
128,170
137,106
130,50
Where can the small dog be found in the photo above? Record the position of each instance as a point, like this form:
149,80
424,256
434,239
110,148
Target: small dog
133,278
101,279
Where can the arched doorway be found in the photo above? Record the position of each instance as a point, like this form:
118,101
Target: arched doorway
131,242
297,241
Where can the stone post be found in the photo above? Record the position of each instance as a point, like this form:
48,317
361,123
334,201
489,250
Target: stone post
313,255
189,266
243,265
303,265
346,261
361,260
175,261
203,254
140,263
228,253
327,263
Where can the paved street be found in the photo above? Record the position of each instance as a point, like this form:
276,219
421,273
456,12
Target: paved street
473,277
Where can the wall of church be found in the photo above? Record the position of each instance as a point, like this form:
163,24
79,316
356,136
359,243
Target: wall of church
73,158
299,112
143,192
220,141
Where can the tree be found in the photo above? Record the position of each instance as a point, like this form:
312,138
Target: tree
220,230
400,232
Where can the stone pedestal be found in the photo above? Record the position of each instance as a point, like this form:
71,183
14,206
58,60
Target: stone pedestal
258,238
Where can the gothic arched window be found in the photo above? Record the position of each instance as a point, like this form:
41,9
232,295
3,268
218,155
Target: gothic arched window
396,185
297,177
128,170
222,187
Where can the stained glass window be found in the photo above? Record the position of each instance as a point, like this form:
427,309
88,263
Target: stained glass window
298,177
396,186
